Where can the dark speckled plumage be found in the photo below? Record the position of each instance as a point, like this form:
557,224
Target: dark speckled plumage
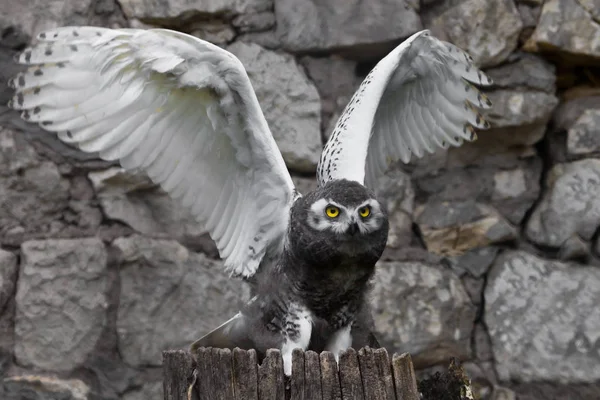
314,272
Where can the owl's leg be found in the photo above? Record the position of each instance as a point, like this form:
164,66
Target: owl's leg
340,340
363,329
297,331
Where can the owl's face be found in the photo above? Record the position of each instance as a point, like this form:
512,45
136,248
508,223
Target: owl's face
340,219
347,222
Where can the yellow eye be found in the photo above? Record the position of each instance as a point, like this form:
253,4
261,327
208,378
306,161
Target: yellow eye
332,211
365,212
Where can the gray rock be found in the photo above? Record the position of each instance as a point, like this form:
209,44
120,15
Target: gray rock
396,190
569,206
530,14
134,200
567,28
487,30
253,6
258,22
583,138
509,183
575,103
432,9
34,16
570,110
7,342
150,391
169,298
411,253
61,302
48,146
488,373
36,201
515,190
289,101
525,71
483,344
574,248
108,376
304,185
453,228
502,393
176,12
543,319
33,193
474,263
554,391
361,29
336,81
422,309
508,180
266,39
478,167
42,388
8,277
8,280
8,69
13,38
592,7
474,288
519,117
333,76
215,31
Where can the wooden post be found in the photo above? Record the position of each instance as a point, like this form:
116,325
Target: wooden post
223,374
177,374
404,377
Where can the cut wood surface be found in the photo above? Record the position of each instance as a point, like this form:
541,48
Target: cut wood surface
221,374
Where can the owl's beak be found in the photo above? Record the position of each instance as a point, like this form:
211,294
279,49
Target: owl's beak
352,229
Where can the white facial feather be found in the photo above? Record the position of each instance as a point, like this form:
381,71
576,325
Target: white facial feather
318,219
374,221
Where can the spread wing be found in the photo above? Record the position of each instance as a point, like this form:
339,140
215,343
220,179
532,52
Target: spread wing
178,108
415,100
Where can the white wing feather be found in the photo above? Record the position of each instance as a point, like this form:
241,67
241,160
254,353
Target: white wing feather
179,108
415,100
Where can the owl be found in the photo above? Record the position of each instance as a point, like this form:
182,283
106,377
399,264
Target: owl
184,112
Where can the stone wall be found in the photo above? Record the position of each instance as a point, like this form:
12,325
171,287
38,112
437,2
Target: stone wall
494,247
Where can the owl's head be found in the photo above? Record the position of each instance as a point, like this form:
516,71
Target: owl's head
342,217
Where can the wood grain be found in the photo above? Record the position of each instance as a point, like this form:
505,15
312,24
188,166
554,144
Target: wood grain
404,377
245,374
384,372
373,384
270,377
312,376
350,379
330,379
205,384
222,374
297,379
177,374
